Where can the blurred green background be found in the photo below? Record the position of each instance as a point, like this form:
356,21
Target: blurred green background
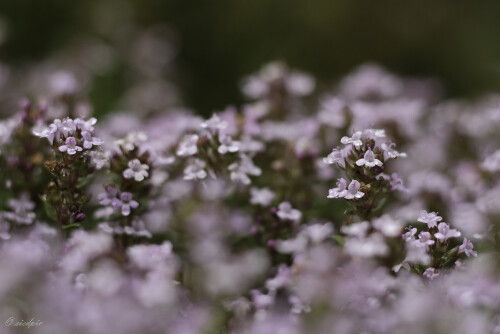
220,41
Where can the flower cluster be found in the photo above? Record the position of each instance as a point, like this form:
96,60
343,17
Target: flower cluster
74,147
213,150
435,248
363,158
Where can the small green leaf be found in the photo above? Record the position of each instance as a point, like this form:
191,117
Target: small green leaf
339,239
66,227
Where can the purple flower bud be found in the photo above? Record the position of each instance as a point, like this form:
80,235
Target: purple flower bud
72,208
271,243
362,155
79,217
273,210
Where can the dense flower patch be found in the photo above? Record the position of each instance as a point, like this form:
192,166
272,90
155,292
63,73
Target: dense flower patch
374,210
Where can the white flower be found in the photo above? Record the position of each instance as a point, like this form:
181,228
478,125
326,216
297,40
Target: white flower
262,196
374,133
127,203
355,139
132,140
318,232
195,170
369,160
88,140
353,190
49,133
337,156
492,162
340,191
467,248
136,170
429,218
99,159
431,273
227,144
415,253
261,300
410,235
289,246
286,212
388,226
241,170
396,183
71,148
424,239
150,257
445,232
371,246
390,152
332,112
282,279
188,146
214,123
359,230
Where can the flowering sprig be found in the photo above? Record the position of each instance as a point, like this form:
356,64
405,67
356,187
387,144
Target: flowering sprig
436,247
22,173
363,158
272,223
126,198
72,142
213,151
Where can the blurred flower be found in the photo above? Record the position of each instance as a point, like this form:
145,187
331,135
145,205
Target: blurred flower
429,218
136,170
467,248
263,196
286,212
445,232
